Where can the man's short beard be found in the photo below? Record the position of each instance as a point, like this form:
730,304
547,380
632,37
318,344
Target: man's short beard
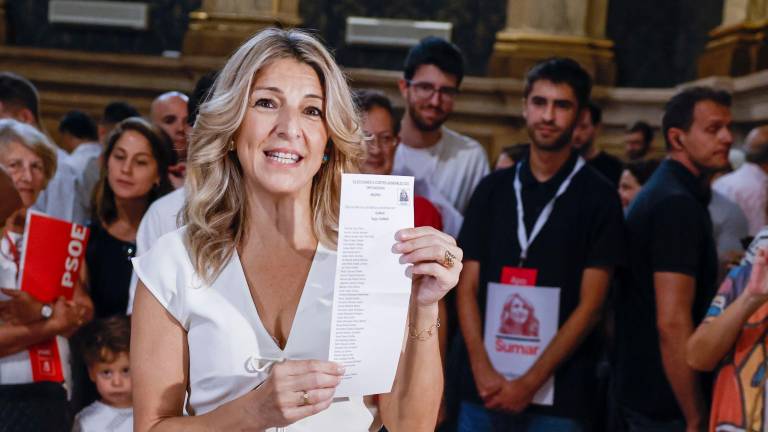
421,125
563,141
637,154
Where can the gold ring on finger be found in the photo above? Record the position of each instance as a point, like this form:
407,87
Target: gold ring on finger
305,398
449,259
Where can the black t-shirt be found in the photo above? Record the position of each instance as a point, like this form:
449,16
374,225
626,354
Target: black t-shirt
109,271
609,166
669,230
584,230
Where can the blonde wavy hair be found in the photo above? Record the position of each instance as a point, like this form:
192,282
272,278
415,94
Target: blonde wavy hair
215,210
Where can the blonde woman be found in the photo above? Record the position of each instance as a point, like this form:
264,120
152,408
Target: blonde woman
234,309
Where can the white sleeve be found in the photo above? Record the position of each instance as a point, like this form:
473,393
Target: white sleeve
166,270
78,425
143,243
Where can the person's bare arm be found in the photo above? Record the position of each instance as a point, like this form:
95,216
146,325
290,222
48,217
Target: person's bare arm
487,380
674,300
159,372
517,394
715,337
414,401
18,337
23,310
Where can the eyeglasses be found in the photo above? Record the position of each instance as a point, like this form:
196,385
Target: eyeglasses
383,141
425,90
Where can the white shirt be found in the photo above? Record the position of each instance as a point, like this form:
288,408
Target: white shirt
162,217
747,187
16,368
728,223
60,198
83,154
453,166
100,417
85,160
230,351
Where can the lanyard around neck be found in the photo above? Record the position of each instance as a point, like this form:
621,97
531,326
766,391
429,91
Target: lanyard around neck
522,235
13,249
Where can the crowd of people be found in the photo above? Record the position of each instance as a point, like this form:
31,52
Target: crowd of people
213,225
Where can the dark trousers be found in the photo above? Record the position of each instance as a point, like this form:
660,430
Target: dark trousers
637,422
39,407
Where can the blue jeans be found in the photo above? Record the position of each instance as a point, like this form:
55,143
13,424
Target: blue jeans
475,418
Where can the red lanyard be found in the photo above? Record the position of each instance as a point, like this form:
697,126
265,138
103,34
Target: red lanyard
13,249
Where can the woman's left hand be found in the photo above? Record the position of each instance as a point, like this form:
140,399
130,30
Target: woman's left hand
436,262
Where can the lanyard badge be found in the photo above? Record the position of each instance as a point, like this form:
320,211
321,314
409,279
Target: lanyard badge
522,236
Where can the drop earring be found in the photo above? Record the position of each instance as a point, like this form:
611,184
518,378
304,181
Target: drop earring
325,158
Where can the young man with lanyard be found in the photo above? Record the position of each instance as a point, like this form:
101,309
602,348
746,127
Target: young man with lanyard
549,221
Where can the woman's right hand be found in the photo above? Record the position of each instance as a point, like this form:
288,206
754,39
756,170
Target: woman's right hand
280,401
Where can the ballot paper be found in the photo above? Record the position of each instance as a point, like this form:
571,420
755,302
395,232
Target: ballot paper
371,289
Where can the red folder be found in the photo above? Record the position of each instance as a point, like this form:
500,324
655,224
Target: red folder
54,251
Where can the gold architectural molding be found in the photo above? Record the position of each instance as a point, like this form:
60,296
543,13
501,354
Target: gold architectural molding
219,27
515,52
737,46
534,33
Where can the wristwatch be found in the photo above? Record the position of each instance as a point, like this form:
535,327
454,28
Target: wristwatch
46,311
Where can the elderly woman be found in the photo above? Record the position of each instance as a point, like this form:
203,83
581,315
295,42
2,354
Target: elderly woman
234,309
30,160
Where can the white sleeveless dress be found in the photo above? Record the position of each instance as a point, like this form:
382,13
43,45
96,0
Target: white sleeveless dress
230,351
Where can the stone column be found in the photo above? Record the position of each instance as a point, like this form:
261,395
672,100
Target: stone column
220,26
737,46
537,29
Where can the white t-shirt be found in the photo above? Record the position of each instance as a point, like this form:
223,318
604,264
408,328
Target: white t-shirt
16,368
230,351
83,155
162,217
100,417
747,187
453,166
87,164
